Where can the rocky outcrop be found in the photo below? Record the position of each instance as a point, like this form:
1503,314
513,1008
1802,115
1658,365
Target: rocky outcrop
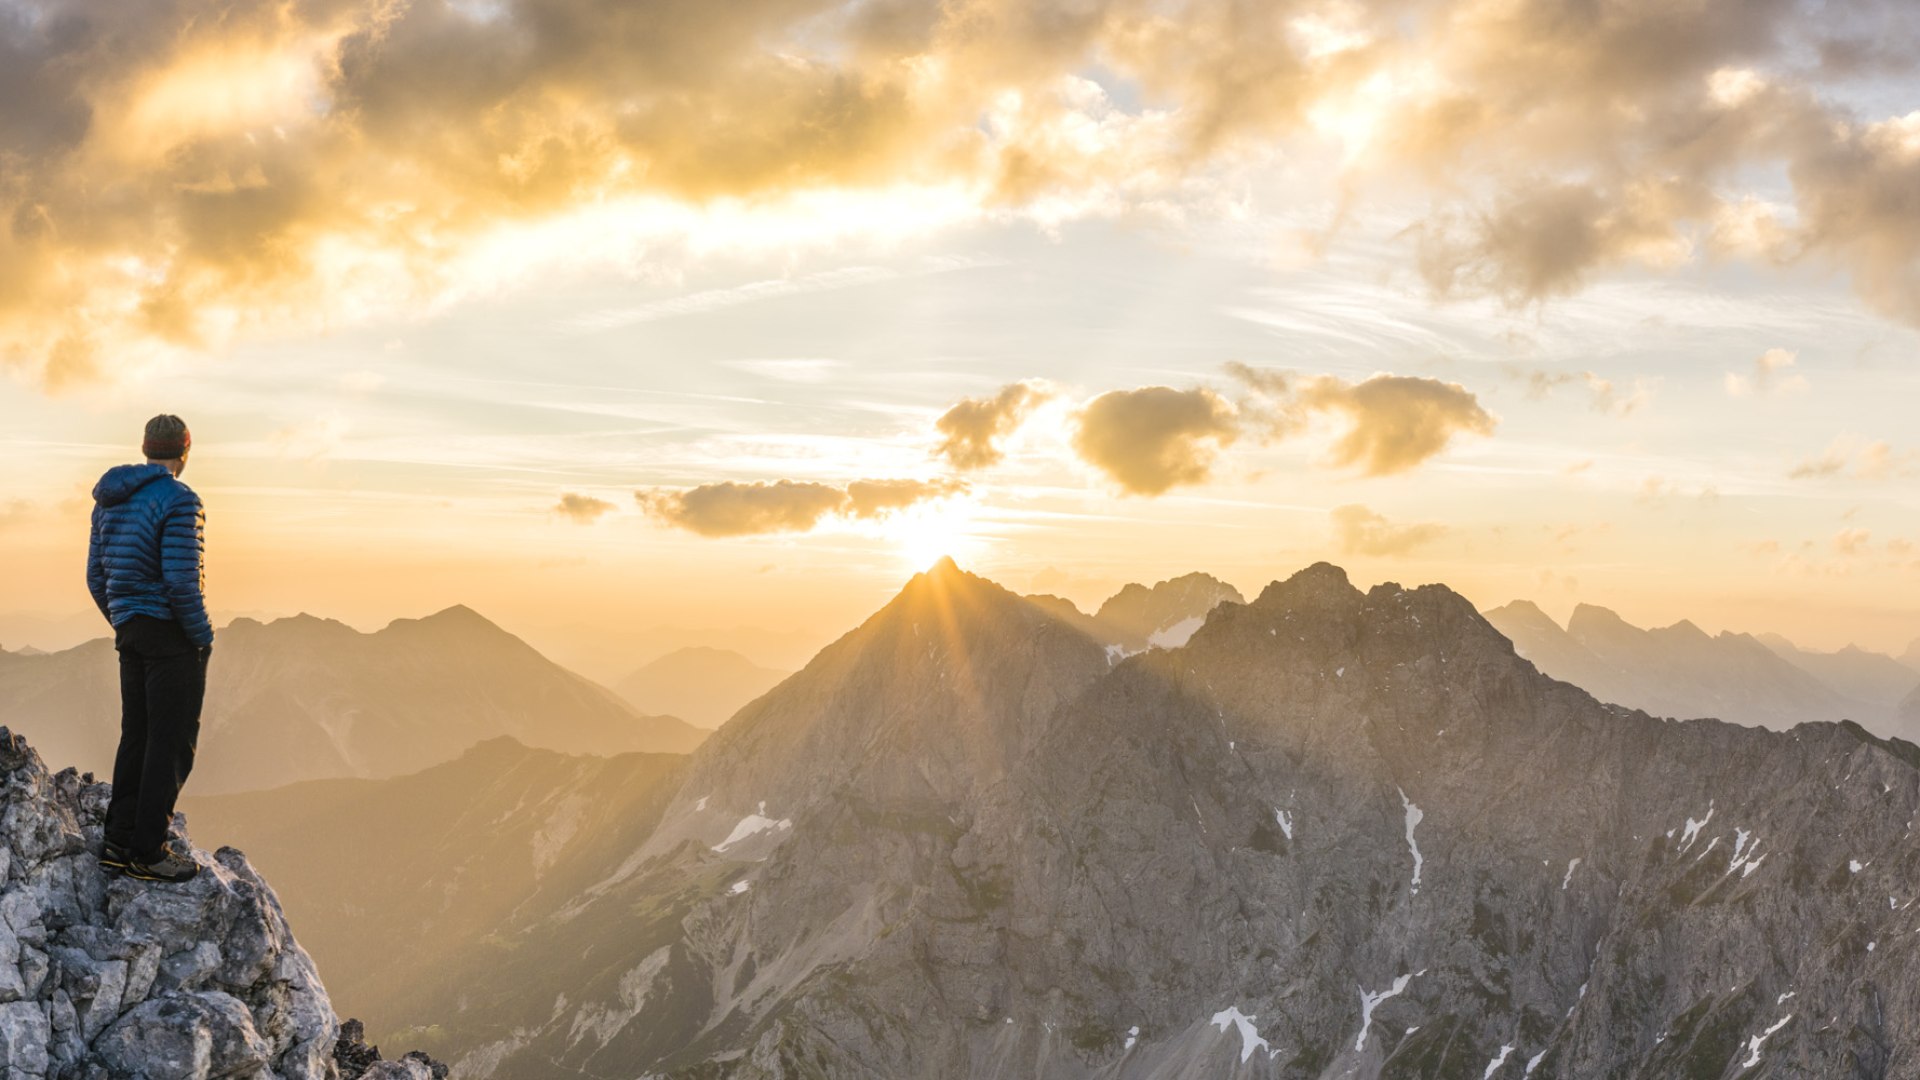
359,1060
103,976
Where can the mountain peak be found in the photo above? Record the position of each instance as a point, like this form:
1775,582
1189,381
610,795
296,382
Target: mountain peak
1522,612
458,619
944,566
1592,617
1689,630
1322,581
458,613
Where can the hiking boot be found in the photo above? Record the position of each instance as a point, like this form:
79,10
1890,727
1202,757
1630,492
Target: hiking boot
113,857
170,866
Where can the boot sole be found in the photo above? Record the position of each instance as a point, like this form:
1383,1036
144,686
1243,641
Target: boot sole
139,874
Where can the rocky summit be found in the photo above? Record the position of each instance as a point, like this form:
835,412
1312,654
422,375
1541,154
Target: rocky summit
103,976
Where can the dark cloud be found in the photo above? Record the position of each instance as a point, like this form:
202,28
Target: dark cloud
760,507
582,509
975,427
1155,438
1360,531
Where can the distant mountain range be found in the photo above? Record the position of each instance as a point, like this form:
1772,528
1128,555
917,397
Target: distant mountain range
1334,834
1876,680
1139,617
703,686
305,698
1682,671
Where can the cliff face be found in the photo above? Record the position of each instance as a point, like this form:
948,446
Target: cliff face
103,976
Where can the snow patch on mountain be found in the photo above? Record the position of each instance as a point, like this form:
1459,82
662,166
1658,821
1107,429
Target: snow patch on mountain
753,825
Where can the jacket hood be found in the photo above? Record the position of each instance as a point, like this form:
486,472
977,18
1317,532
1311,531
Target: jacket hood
121,481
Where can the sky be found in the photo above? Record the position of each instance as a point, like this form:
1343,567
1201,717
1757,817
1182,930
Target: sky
604,317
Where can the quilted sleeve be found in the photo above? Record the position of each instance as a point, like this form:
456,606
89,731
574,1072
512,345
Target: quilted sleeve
183,566
97,566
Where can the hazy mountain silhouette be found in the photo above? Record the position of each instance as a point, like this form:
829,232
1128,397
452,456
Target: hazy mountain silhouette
609,654
700,685
304,698
502,829
1876,680
1335,834
1678,670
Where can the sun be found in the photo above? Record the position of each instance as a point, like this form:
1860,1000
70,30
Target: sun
923,534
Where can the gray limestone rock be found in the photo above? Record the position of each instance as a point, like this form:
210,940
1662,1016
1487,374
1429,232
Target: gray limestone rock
105,976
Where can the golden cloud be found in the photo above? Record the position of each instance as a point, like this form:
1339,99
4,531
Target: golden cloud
582,509
975,427
750,509
1394,422
1155,438
175,175
1360,531
878,498
761,507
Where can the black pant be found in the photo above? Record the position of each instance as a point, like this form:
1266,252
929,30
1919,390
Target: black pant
163,678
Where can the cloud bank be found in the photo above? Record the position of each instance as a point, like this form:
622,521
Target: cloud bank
179,172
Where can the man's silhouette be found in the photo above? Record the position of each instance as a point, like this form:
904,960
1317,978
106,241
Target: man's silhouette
146,568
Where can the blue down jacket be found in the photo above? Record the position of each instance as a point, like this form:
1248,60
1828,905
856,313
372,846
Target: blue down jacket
148,553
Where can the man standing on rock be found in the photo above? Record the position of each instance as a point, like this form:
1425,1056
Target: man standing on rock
146,568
